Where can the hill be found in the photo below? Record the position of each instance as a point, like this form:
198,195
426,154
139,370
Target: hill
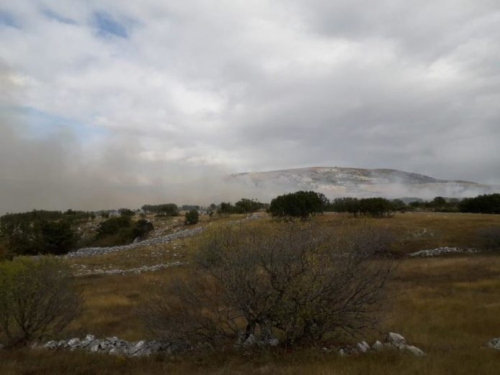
337,181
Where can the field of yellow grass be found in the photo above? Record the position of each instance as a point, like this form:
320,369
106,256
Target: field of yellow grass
449,307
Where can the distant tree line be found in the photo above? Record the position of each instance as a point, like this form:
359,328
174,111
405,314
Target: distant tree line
484,204
243,206
167,209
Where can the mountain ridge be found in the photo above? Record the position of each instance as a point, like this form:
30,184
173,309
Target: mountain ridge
338,181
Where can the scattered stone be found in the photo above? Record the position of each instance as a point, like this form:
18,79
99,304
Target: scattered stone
441,251
395,339
157,267
342,353
111,345
93,251
361,347
413,350
378,346
494,343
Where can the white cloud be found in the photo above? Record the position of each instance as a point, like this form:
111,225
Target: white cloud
238,85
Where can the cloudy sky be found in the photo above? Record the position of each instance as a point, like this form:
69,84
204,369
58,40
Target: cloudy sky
111,102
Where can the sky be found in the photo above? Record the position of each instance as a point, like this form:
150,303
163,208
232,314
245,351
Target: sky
120,103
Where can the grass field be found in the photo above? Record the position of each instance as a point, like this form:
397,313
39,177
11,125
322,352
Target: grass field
449,307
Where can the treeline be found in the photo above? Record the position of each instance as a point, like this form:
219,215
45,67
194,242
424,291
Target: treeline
306,203
55,232
167,209
243,206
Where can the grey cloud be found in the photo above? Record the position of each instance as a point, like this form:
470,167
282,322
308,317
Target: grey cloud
200,90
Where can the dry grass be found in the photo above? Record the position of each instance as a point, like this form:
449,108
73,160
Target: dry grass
449,307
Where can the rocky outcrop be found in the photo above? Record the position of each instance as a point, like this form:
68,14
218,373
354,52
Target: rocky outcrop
112,345
494,343
92,251
393,341
441,251
82,270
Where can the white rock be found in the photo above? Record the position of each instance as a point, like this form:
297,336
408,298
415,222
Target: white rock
342,353
361,347
74,342
395,339
414,350
494,343
273,342
89,338
51,345
378,346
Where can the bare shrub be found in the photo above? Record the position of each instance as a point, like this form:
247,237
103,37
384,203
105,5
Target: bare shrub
489,237
295,283
36,298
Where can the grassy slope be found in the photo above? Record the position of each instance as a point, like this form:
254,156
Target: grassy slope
449,307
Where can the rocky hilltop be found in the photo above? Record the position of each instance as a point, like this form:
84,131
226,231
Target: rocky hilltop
336,181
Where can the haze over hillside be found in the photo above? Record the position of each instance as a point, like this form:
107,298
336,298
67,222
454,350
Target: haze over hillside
337,181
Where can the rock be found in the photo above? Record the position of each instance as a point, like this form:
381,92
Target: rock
441,251
494,343
273,342
395,339
51,345
361,347
414,350
89,338
250,340
342,353
378,346
74,342
116,351
94,348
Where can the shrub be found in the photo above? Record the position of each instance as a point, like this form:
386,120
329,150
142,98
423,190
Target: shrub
301,204
36,299
142,228
126,212
244,206
168,209
485,204
30,235
191,217
113,226
295,283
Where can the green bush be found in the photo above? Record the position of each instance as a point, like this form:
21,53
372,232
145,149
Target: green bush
300,204
484,204
37,298
142,228
191,218
30,235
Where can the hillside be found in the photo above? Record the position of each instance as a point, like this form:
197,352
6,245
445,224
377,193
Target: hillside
336,181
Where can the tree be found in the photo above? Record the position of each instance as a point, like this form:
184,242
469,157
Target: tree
126,212
168,209
300,204
112,226
485,204
226,208
27,234
142,228
191,217
58,237
298,284
37,298
245,205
